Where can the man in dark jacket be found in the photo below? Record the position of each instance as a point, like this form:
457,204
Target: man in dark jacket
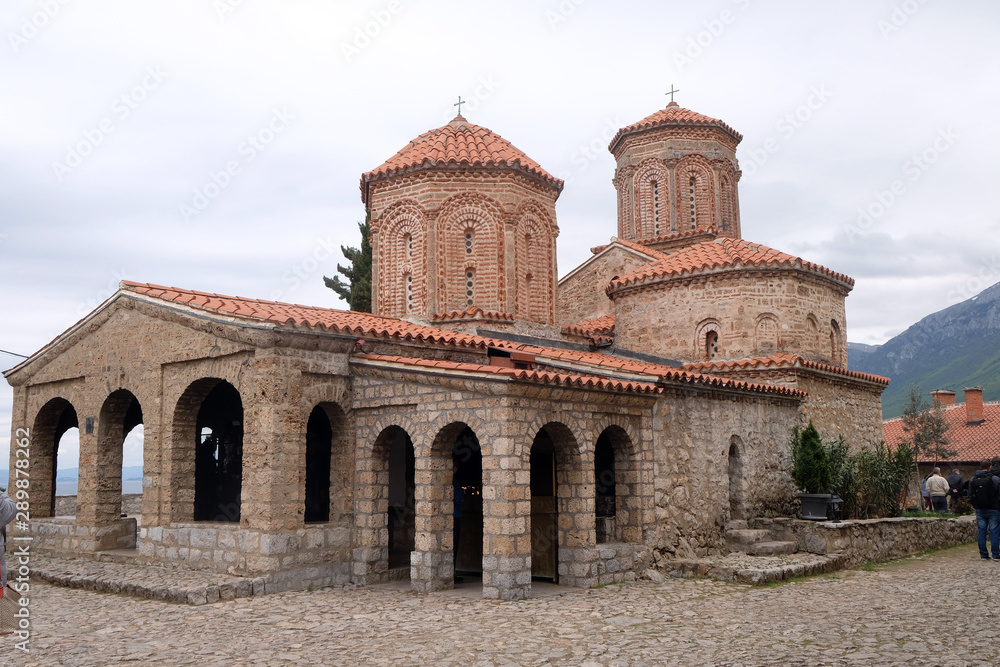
984,494
955,482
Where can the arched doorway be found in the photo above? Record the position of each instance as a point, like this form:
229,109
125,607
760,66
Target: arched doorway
319,450
402,508
467,514
54,428
544,509
605,496
737,498
219,455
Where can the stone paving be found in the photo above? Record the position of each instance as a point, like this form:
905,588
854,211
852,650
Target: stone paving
935,609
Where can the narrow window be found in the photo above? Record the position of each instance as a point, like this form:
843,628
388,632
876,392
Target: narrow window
691,184
711,345
468,242
408,244
409,293
656,208
470,287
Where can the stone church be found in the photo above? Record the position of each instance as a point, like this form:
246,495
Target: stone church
488,419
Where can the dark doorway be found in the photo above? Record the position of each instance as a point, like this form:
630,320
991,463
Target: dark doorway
402,508
468,508
319,445
737,510
605,498
219,458
544,515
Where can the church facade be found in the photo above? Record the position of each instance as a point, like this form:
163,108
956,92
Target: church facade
487,419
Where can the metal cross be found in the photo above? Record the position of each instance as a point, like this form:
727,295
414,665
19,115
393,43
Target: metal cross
672,91
460,103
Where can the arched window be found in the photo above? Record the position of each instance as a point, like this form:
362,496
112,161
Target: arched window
468,241
470,287
834,342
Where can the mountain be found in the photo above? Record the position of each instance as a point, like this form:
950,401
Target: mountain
952,349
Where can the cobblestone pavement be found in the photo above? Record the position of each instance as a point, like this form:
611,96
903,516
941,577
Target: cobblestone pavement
936,609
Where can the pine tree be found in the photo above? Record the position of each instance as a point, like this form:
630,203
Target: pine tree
810,465
357,291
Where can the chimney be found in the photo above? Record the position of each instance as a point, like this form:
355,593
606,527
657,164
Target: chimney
943,397
973,404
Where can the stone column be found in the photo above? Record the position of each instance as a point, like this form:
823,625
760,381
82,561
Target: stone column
432,562
506,518
431,264
671,166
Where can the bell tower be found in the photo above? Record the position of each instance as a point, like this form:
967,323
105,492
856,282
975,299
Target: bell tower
676,179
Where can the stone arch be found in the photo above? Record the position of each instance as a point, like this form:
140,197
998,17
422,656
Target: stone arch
836,343
119,415
812,341
695,193
617,486
329,464
562,499
534,262
623,183
384,505
652,194
480,219
708,340
766,334
401,246
736,478
207,452
728,222
51,422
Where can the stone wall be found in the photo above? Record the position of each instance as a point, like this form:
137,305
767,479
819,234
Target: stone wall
131,504
867,540
581,293
754,312
695,493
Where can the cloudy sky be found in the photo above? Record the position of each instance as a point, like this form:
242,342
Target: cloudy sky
217,144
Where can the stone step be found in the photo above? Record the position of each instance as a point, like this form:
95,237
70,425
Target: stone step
747,536
737,524
772,548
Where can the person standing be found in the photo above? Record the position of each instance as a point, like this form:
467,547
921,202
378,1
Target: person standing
8,509
955,481
938,489
984,492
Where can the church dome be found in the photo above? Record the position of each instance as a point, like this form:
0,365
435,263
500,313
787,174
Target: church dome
459,144
674,116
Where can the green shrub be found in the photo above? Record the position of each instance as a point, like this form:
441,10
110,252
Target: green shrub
843,474
882,477
810,464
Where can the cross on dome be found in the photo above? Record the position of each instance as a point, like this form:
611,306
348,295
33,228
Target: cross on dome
670,92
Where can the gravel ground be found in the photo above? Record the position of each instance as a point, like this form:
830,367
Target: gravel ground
935,609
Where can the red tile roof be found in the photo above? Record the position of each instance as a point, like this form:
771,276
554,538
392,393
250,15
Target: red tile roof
675,115
458,144
972,442
722,254
599,326
576,380
325,319
781,360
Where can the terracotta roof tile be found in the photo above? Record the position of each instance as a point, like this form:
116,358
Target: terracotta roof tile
721,254
638,247
676,115
567,379
973,442
781,360
604,325
458,144
378,326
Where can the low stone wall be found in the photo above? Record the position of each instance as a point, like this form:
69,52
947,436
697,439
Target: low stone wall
861,541
64,535
131,504
602,564
317,555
